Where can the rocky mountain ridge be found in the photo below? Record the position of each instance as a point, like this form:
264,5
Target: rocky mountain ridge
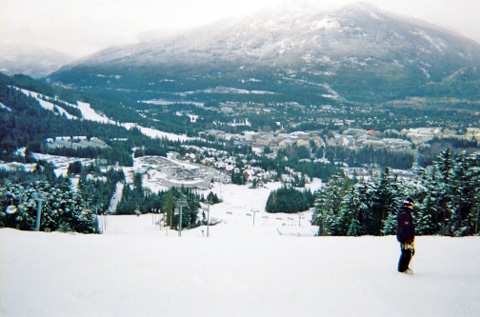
359,52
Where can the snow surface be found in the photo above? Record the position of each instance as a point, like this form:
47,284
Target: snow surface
90,114
48,105
154,133
137,268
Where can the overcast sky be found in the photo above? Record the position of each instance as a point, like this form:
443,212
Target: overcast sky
81,27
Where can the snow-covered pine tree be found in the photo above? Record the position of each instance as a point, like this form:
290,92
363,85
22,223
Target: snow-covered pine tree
473,174
443,165
347,212
363,192
424,220
61,209
318,214
462,195
328,205
397,191
347,220
384,202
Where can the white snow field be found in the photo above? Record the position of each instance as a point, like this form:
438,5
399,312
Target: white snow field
137,268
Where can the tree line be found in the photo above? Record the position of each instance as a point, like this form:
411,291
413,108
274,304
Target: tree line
446,195
288,199
24,196
66,209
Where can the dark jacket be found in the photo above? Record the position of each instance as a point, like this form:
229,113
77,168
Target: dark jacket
405,226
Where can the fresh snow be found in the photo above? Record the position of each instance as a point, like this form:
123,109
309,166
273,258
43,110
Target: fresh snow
437,43
90,114
48,105
275,267
154,133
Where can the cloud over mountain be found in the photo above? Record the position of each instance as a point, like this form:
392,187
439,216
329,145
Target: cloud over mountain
358,51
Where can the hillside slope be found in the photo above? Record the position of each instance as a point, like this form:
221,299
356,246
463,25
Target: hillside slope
152,274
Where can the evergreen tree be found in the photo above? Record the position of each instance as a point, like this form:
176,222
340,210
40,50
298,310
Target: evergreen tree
237,177
473,175
328,205
74,168
396,192
288,199
347,217
424,222
127,204
444,166
447,201
361,201
384,203
213,198
61,209
433,205
463,194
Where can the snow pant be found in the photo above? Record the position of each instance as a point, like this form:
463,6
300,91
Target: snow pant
407,253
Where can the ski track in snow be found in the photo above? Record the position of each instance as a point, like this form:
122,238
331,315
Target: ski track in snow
137,268
54,274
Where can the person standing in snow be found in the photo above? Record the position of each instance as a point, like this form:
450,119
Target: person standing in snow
406,235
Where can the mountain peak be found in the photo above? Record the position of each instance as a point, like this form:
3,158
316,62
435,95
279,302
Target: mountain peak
290,45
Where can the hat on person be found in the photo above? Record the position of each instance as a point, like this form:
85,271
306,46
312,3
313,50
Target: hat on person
408,202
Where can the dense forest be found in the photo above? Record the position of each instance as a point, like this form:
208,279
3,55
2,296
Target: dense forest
446,200
290,200
41,201
64,208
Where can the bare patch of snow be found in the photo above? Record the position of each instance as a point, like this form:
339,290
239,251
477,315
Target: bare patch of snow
436,42
425,72
327,23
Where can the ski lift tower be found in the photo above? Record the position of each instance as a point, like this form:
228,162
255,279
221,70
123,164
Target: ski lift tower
39,209
182,202
209,203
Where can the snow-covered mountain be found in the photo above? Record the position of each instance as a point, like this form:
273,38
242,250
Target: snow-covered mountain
32,60
357,51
